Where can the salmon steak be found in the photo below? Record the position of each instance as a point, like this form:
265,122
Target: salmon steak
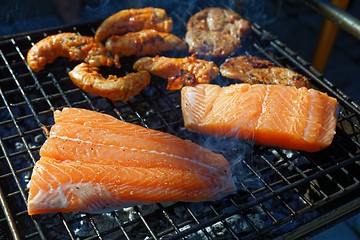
94,163
273,115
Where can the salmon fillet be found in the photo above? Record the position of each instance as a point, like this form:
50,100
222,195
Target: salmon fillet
94,163
284,116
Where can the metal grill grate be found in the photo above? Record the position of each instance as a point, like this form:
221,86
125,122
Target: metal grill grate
281,193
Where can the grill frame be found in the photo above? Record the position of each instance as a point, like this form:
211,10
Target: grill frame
27,101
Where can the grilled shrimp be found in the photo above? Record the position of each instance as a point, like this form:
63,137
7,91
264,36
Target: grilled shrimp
89,79
69,45
132,20
179,71
144,42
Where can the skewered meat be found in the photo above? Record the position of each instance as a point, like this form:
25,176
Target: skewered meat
215,32
254,70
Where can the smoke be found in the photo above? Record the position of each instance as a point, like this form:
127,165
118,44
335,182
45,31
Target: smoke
263,12
239,153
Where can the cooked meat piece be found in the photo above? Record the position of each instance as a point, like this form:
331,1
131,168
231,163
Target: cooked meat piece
132,20
215,32
144,42
179,71
90,80
254,70
273,115
68,45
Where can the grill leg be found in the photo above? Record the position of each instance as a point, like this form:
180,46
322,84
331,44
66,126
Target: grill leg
326,39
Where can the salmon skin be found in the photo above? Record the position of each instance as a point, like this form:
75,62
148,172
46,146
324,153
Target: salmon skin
94,163
274,115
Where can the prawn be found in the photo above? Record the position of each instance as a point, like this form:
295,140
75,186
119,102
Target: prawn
144,42
69,45
179,71
88,79
132,20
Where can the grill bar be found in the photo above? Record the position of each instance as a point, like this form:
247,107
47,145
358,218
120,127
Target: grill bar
272,194
281,193
8,215
4,204
328,220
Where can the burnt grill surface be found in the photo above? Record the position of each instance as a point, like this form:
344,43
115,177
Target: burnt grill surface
280,192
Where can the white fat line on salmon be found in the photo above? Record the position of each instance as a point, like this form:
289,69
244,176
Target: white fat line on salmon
140,150
263,110
310,118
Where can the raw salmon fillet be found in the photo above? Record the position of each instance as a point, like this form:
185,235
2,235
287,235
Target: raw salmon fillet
93,162
283,116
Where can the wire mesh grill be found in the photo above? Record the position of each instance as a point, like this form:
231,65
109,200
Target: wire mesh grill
281,192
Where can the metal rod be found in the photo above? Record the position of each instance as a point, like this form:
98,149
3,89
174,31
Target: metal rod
8,215
340,17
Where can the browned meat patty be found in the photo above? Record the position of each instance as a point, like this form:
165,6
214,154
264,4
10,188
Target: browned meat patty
215,32
254,70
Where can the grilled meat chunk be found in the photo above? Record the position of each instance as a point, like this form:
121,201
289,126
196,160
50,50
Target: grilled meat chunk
90,80
132,20
68,45
144,42
179,71
215,32
254,70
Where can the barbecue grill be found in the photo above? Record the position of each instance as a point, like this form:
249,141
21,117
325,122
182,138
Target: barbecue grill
281,193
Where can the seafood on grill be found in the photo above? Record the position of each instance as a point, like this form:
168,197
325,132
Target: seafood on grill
179,71
273,115
133,20
90,80
68,45
144,42
215,32
93,162
254,70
